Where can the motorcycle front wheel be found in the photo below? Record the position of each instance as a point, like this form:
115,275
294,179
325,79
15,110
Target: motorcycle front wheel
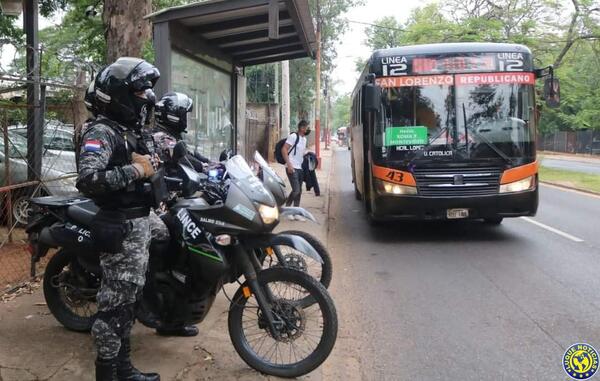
299,261
306,333
70,292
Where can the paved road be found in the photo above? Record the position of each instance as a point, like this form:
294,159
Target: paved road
465,301
573,165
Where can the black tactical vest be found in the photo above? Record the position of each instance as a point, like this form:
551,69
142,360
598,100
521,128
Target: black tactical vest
137,194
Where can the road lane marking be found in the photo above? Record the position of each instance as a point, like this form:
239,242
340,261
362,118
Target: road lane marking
553,230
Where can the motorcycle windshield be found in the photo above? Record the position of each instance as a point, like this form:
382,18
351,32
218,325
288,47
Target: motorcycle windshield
265,167
238,168
239,171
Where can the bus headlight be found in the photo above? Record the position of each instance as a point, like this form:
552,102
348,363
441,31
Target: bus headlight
518,186
268,214
395,189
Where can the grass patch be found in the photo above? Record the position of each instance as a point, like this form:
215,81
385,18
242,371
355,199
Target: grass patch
579,180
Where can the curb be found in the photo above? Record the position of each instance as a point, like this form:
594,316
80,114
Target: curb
328,199
571,188
584,158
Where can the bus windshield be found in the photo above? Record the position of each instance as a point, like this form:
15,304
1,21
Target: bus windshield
452,120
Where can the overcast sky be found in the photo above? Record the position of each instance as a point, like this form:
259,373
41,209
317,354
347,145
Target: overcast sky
7,52
352,45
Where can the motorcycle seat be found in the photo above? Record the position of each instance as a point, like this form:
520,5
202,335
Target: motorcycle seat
83,213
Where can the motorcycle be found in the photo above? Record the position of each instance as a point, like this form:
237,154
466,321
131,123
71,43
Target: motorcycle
273,311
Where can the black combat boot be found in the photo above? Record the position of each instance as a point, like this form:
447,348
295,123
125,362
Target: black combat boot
106,370
126,371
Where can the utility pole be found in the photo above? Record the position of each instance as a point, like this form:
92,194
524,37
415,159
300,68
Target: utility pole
285,99
318,94
326,94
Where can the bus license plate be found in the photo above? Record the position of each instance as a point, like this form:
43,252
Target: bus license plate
454,214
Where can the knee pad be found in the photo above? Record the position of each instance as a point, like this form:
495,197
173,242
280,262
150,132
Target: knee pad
118,320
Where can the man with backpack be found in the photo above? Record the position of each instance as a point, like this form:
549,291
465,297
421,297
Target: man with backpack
292,152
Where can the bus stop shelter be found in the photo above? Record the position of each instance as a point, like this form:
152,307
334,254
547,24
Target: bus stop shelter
202,49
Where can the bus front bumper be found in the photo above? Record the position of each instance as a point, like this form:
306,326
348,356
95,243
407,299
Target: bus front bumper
387,207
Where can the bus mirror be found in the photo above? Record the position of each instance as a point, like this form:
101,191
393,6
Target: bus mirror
372,97
552,92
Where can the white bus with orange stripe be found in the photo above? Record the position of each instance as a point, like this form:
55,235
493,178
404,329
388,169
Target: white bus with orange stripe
447,131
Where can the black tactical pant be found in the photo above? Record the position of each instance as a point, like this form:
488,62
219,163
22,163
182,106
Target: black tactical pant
123,277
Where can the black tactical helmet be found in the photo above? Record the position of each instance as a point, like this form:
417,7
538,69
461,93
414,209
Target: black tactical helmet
171,111
124,91
90,97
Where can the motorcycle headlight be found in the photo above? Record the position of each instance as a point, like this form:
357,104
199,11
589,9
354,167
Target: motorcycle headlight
518,186
395,189
268,214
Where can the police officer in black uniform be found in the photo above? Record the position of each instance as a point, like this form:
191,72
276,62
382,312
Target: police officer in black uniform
171,117
114,162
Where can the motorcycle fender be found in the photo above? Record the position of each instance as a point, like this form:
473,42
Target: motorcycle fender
295,211
46,238
297,243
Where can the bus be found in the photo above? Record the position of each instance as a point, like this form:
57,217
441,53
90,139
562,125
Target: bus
447,131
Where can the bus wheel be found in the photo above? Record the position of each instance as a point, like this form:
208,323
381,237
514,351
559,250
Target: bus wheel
493,220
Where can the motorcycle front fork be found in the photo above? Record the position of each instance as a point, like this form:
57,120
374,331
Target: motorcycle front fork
250,265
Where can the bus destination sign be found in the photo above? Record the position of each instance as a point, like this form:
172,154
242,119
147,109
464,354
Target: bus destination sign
393,66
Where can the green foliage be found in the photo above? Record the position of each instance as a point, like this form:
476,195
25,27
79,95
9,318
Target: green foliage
302,88
341,112
260,83
387,34
9,32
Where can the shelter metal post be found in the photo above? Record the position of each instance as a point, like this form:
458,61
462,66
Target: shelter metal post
34,121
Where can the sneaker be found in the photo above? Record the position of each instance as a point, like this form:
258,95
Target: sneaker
291,218
300,218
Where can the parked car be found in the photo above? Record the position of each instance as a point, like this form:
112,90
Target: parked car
56,164
59,148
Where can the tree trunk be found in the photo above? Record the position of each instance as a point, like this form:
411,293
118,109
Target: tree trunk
80,113
126,29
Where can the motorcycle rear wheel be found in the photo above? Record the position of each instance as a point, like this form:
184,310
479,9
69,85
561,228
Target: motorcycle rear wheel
296,316
61,299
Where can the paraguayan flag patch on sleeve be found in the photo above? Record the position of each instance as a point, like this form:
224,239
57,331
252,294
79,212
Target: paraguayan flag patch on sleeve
92,145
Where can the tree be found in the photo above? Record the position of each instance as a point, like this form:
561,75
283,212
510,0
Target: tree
126,29
302,85
341,112
121,29
260,83
386,33
302,72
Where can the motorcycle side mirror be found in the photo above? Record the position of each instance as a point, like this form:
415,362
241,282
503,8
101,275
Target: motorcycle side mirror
191,181
179,151
225,155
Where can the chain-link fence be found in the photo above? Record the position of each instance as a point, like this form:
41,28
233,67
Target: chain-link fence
37,152
580,142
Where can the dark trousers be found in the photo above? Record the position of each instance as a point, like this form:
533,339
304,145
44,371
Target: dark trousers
296,183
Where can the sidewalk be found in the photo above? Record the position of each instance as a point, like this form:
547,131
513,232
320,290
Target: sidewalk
34,346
